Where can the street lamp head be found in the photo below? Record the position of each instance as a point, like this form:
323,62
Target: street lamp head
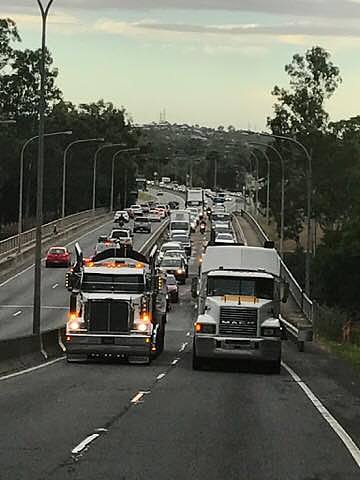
68,132
100,139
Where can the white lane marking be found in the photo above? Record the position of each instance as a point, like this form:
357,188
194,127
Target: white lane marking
55,285
188,334
159,377
138,397
19,312
85,443
32,369
174,362
183,346
67,245
324,412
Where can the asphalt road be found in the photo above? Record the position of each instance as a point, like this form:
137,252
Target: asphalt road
229,422
16,294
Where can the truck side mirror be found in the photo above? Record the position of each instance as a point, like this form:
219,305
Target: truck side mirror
285,292
194,287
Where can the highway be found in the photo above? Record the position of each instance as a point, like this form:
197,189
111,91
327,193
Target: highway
166,421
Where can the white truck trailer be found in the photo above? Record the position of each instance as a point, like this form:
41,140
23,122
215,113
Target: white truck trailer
239,294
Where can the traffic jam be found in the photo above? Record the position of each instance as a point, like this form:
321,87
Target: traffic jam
120,297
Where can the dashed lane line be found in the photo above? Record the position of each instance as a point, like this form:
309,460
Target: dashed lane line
16,314
160,376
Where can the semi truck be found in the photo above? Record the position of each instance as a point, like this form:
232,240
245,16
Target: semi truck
117,306
239,293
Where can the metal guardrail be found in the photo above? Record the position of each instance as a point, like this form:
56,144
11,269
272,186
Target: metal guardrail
11,244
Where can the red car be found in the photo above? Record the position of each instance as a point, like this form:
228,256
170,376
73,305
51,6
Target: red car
58,256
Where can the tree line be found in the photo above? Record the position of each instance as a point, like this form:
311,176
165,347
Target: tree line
19,100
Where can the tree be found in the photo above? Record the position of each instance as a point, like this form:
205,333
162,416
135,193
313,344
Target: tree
8,34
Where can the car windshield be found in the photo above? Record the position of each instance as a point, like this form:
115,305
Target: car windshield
170,262
57,251
224,236
171,280
227,285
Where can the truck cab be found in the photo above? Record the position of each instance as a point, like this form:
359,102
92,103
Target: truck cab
117,307
239,294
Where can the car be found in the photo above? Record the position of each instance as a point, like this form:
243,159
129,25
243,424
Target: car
142,224
179,254
121,236
145,208
164,207
154,215
172,288
136,210
174,266
58,256
174,205
223,237
184,240
121,215
170,246
159,194
161,211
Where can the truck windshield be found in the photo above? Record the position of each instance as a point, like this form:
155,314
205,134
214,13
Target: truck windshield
97,282
256,287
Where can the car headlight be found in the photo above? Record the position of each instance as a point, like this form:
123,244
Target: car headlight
270,331
208,328
179,271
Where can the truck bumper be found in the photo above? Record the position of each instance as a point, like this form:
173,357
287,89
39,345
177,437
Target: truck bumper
237,348
80,347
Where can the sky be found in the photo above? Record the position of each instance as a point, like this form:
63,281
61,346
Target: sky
207,62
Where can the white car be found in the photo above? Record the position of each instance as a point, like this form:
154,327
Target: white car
224,238
136,210
121,213
121,236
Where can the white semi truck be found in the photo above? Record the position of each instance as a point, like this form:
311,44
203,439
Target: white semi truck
117,307
239,294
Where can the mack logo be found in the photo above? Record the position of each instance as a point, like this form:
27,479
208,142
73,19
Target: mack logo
236,322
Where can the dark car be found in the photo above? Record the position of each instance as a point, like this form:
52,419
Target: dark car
142,224
174,266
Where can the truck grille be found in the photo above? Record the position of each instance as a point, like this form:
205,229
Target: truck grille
109,317
238,321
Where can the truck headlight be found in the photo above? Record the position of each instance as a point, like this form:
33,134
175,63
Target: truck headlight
142,327
208,328
75,325
270,332
179,271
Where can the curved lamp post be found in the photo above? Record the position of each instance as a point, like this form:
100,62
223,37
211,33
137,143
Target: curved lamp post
66,151
116,154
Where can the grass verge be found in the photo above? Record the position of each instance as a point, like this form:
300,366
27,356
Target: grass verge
347,351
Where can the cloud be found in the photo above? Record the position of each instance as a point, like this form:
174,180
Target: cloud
298,8
286,30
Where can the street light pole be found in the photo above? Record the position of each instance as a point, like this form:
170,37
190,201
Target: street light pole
268,182
256,180
282,210
40,173
136,149
21,178
108,145
66,151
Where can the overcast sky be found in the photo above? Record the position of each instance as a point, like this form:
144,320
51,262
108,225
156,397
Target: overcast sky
206,61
